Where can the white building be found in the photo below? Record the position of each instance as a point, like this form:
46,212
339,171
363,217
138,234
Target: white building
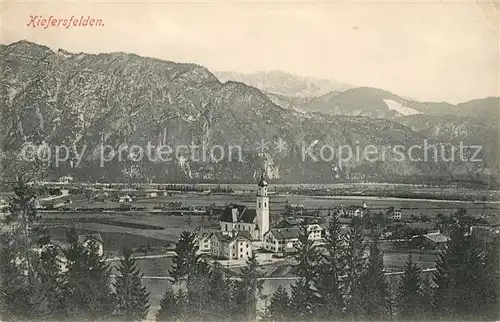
315,232
125,199
396,215
231,245
4,208
66,179
355,211
204,242
282,239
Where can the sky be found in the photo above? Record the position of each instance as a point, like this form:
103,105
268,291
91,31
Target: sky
430,51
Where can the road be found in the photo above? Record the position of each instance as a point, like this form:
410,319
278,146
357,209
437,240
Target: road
279,278
118,258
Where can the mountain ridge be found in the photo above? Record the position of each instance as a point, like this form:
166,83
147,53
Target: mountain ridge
79,99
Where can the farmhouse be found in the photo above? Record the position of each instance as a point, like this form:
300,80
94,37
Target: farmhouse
431,241
281,239
125,199
352,210
231,245
289,222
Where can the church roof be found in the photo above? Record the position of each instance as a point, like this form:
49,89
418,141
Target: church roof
245,214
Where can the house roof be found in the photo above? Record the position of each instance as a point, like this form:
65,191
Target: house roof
352,207
84,238
437,238
203,235
226,238
420,225
245,214
291,221
243,234
285,233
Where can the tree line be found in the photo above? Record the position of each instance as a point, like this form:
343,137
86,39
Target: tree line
343,279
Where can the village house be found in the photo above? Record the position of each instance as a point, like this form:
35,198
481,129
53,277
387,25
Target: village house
396,215
102,197
151,193
289,222
125,199
66,179
315,232
59,246
431,241
4,208
86,240
280,240
204,242
236,245
352,210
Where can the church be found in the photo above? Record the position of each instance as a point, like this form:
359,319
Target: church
255,222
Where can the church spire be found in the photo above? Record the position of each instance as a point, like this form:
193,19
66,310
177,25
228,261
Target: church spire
262,182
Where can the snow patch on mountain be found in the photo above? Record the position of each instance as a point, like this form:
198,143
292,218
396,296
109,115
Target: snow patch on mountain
401,109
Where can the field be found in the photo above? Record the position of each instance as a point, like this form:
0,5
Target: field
122,229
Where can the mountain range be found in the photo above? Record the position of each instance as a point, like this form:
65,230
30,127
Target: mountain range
89,101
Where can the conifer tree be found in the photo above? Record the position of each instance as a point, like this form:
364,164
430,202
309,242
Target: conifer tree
354,261
186,261
88,291
132,298
331,269
191,273
303,300
169,310
52,280
218,295
376,294
304,293
246,291
492,279
461,277
20,287
409,292
280,306
18,295
184,309
426,299
307,256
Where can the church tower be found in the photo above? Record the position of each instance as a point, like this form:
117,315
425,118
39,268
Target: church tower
262,208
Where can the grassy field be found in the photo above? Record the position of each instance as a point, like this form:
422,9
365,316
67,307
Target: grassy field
122,230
